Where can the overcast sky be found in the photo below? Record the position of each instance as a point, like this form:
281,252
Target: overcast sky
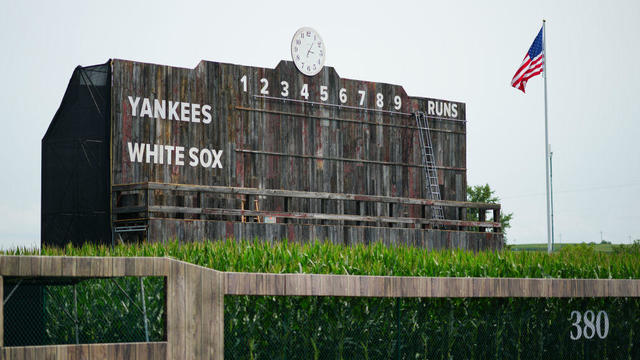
457,50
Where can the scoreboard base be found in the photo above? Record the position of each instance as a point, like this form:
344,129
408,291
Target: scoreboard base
164,230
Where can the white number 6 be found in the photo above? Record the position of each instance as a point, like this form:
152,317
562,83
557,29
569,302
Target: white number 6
343,95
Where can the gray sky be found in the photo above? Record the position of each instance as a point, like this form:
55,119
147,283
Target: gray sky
458,50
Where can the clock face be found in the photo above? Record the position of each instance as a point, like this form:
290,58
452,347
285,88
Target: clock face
308,51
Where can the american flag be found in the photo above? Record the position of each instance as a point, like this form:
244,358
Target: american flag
532,64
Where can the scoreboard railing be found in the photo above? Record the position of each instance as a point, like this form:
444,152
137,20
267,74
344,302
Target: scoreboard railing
139,202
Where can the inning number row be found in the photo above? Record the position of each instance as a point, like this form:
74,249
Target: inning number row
324,93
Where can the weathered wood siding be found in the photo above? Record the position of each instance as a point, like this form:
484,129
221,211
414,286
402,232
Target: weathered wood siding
164,230
123,351
194,313
424,287
283,144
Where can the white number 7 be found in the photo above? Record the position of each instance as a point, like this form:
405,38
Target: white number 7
362,94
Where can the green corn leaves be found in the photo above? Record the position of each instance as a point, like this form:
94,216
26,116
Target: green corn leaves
375,259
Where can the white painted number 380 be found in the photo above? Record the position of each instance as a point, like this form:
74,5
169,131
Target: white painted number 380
590,329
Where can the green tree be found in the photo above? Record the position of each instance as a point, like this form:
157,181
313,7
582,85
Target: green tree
484,194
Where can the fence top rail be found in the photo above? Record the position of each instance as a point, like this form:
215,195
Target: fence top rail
301,194
269,284
81,266
398,286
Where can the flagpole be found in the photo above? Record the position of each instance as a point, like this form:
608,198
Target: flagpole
546,136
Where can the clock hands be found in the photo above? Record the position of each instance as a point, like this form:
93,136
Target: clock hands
310,47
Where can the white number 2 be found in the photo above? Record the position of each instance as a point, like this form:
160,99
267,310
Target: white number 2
265,87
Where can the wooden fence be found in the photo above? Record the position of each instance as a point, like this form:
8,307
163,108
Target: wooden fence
195,298
162,211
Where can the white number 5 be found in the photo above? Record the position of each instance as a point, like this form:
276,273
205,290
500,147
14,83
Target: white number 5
324,95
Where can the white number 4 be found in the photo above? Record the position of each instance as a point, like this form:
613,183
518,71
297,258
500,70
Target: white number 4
304,92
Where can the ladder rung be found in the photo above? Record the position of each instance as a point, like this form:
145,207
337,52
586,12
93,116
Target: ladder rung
428,160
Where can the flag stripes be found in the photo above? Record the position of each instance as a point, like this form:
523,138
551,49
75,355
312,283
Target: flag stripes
532,64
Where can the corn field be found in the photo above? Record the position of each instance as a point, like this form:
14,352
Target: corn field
377,259
266,327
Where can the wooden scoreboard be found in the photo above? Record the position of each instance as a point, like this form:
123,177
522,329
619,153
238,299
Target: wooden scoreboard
226,150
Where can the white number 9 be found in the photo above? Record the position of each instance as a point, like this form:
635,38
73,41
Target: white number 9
398,101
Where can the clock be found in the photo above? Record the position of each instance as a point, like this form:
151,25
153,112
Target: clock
308,51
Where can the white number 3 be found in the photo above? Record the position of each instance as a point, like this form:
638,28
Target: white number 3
576,326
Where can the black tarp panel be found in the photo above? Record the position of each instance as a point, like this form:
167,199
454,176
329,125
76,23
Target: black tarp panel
75,163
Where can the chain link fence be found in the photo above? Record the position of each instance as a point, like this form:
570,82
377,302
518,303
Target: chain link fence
50,311
267,327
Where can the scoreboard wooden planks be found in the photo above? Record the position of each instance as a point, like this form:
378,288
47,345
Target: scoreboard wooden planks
279,129
243,127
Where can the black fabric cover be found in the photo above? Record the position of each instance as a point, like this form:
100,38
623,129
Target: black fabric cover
75,163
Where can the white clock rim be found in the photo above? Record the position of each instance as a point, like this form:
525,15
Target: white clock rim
324,51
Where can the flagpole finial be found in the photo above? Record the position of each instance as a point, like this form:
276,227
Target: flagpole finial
543,20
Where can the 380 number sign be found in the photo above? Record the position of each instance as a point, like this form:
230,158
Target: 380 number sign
593,324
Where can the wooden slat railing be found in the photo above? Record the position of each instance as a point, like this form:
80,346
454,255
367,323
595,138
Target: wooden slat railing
482,208
195,298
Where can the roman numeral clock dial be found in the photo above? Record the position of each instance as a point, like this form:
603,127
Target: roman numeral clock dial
308,51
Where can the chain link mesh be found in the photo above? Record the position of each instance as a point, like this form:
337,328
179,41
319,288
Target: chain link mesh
259,327
43,311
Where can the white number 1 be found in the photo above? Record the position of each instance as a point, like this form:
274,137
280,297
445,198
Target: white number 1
243,80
